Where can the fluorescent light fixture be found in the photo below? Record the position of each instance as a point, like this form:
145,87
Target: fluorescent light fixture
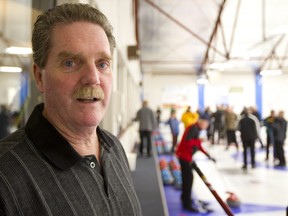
19,50
271,72
8,69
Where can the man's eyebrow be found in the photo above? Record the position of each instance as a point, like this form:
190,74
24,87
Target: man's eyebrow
105,55
66,54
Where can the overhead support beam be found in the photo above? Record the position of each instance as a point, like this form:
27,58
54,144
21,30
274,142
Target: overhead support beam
184,27
272,54
213,35
223,36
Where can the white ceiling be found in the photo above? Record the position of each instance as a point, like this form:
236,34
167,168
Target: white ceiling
183,36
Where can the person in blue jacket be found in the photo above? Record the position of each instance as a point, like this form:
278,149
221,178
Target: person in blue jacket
173,122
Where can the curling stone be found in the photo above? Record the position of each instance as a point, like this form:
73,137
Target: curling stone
233,200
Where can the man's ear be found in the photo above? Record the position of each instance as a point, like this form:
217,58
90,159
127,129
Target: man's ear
38,77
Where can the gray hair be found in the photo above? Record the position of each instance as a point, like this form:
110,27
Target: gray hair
65,13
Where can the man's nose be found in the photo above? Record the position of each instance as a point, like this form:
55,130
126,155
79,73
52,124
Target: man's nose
90,75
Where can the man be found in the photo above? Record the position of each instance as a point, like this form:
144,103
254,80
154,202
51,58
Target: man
217,125
189,144
270,140
280,131
158,116
256,113
62,162
231,125
173,123
147,123
249,127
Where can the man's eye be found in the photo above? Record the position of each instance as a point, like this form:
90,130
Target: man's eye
69,63
103,65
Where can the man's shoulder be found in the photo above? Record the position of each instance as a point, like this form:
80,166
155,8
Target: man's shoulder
147,109
12,140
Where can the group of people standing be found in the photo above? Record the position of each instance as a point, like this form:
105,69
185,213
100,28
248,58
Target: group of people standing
219,125
276,128
223,123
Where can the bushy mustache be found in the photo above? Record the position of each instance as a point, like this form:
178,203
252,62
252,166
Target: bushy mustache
88,92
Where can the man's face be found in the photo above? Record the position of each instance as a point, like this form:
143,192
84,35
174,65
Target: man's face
79,57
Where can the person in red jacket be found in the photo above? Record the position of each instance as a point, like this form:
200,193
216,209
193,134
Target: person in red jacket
189,144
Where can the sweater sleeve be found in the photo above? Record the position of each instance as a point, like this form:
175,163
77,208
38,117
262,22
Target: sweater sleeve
202,149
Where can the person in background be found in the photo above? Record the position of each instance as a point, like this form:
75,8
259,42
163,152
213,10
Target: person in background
62,162
15,121
158,116
207,115
231,125
280,130
4,121
270,141
190,143
249,128
173,122
217,121
255,112
188,117
147,124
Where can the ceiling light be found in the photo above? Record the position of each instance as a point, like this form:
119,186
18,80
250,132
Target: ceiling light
19,50
9,69
270,72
